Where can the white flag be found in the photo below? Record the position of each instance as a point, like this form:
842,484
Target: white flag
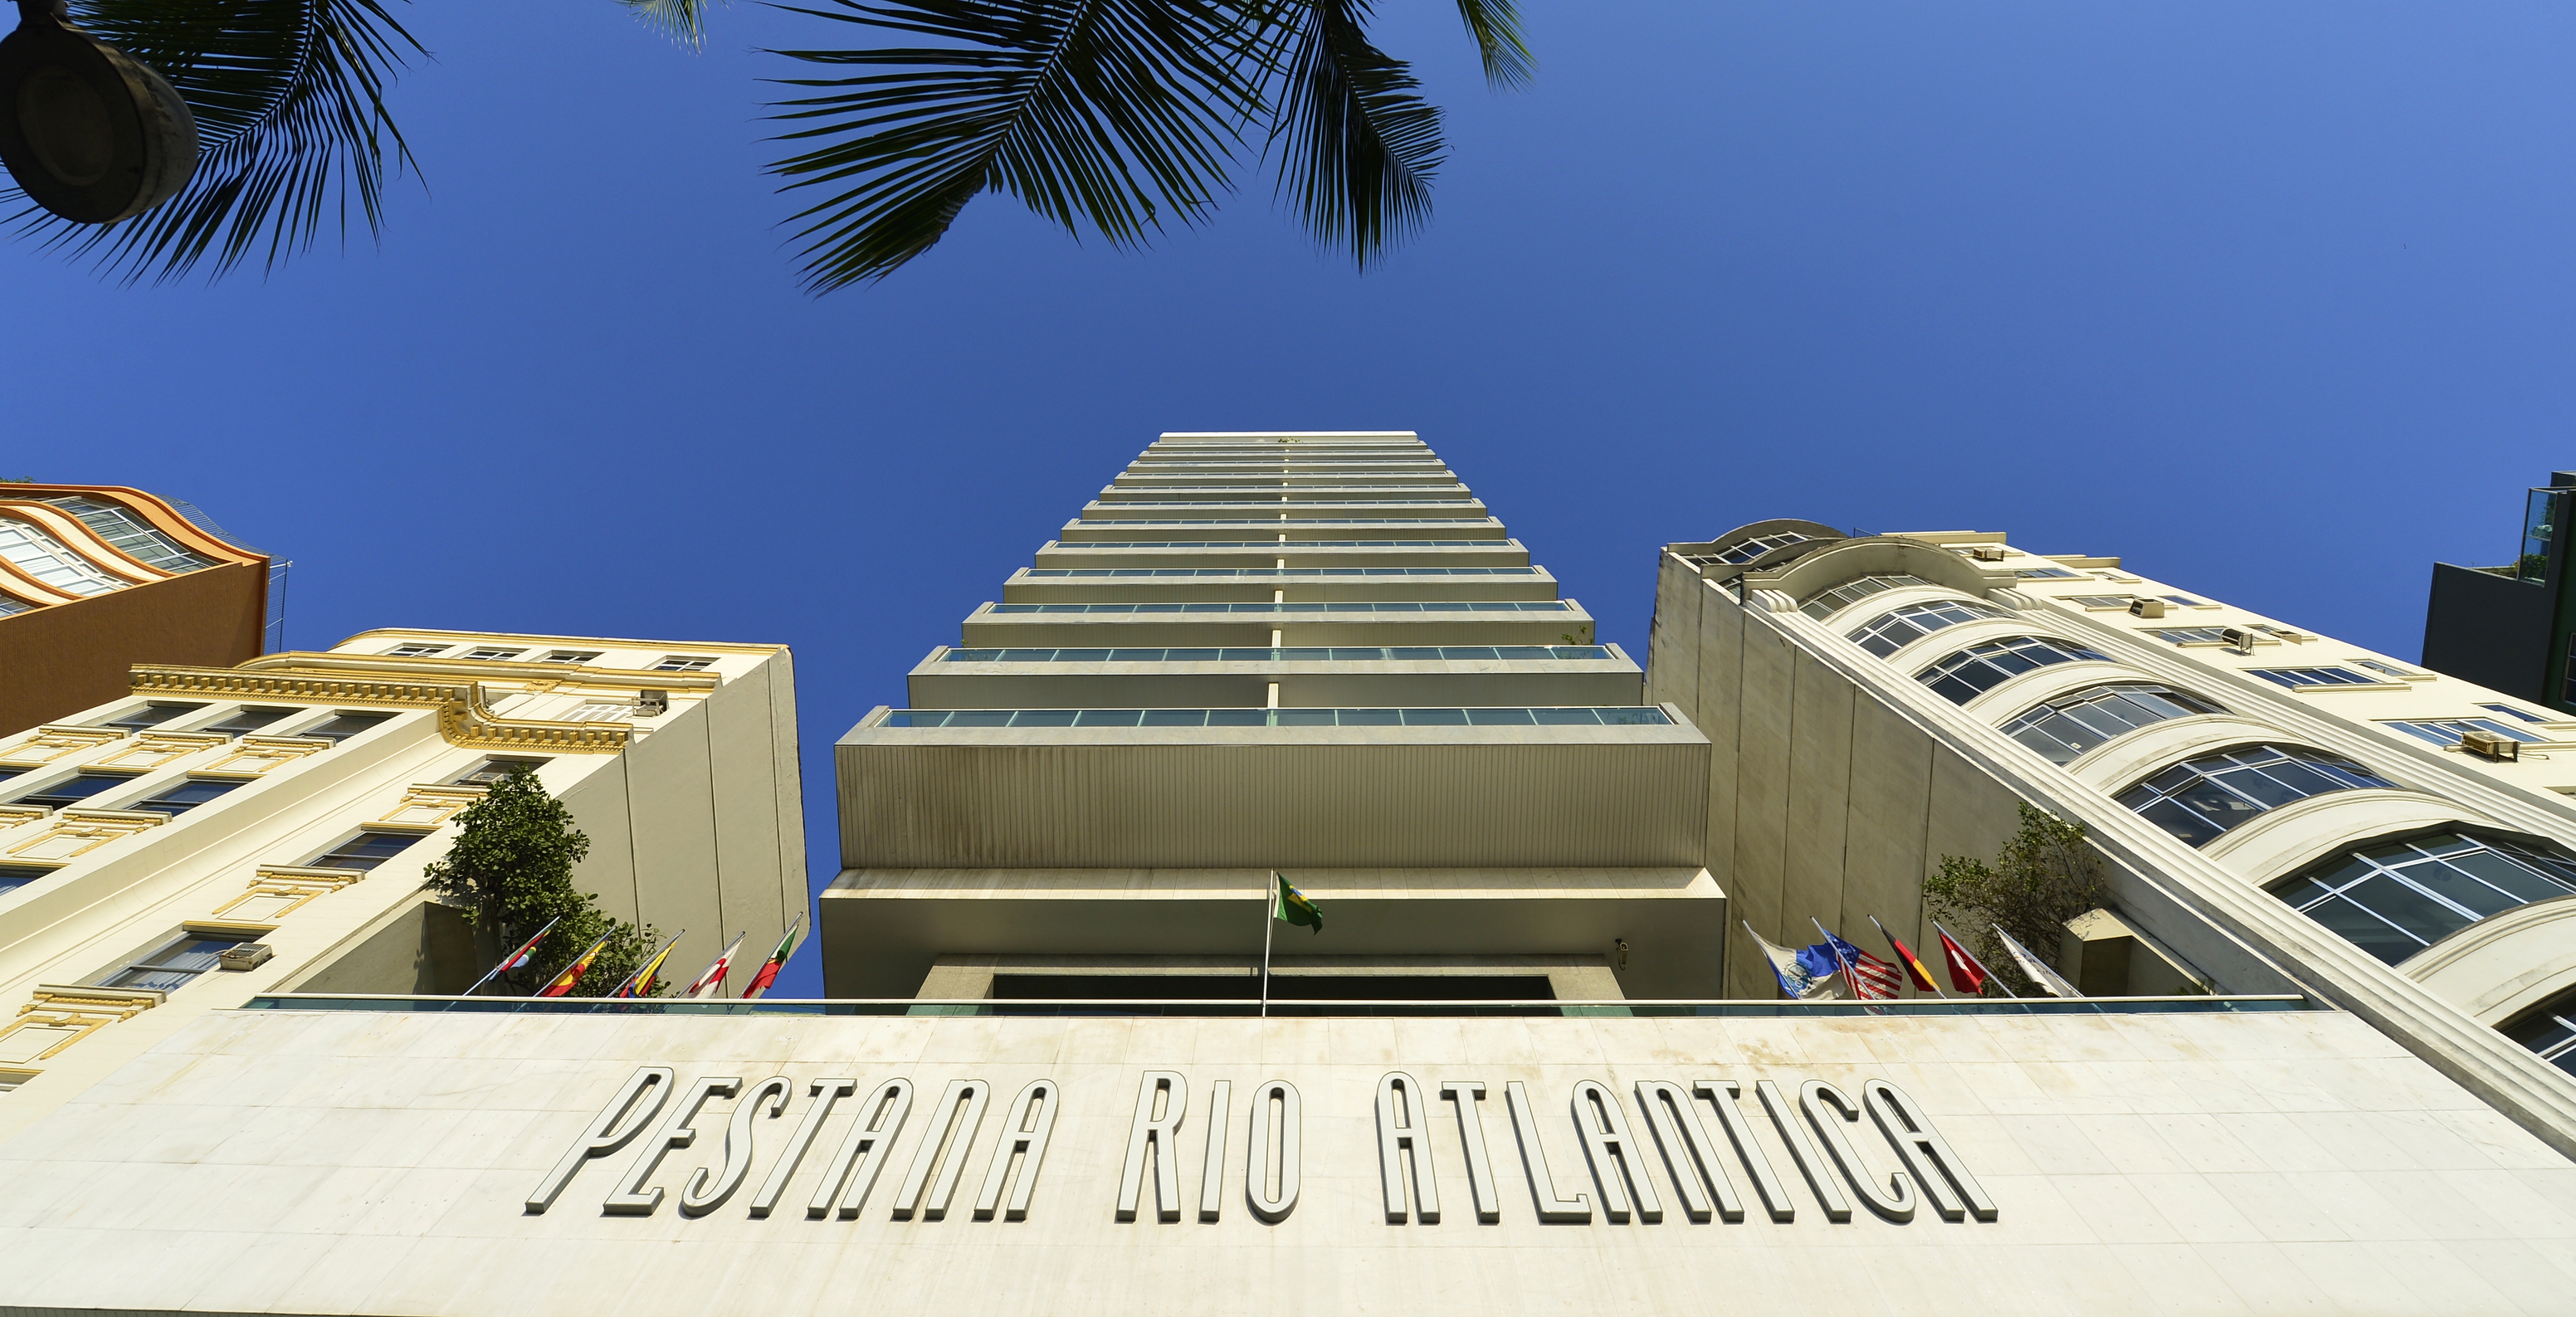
2036,968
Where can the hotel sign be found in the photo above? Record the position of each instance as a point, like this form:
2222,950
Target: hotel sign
1698,1136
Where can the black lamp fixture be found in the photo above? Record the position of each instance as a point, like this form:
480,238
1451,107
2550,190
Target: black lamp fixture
90,132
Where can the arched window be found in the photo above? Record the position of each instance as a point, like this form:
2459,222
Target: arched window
2069,725
1895,629
47,559
2395,899
1825,603
2198,799
1980,668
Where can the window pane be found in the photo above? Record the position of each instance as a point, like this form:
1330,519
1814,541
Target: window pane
74,790
151,715
365,851
2421,915
2362,929
2504,875
187,795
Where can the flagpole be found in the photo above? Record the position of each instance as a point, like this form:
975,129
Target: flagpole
529,945
1991,976
647,961
1267,899
1891,941
1850,980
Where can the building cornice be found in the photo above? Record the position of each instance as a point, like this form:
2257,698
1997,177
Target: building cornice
463,718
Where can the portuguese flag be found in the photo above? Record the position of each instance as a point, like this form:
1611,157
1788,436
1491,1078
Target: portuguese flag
777,961
1290,905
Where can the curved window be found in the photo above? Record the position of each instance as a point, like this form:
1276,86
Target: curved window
1825,603
2069,725
1744,551
2395,900
42,556
2198,799
133,535
2550,1031
1894,630
1980,668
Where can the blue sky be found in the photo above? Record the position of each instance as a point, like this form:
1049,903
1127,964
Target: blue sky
2271,299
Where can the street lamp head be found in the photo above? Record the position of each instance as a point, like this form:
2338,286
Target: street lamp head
91,133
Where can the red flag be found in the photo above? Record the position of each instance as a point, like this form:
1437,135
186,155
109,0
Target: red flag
777,960
1913,964
1967,973
713,979
572,973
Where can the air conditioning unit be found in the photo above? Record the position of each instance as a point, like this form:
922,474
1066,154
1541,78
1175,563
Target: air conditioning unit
249,955
652,704
2146,608
1986,552
2491,745
2238,639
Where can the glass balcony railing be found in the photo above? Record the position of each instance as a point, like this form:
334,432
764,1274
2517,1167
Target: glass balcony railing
1440,606
1274,573
1288,654
1233,1007
1283,545
1431,495
1627,715
1274,521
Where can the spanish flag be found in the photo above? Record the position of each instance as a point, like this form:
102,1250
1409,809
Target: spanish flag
1290,905
572,973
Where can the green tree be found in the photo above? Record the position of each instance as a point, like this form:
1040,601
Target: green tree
1110,116
2047,874
511,868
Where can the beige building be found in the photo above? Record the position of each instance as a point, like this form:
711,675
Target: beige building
221,832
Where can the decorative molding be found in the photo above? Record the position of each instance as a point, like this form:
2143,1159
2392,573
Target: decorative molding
279,891
13,815
77,832
156,749
254,755
428,806
76,1013
464,720
61,741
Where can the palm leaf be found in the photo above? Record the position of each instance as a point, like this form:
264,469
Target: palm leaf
1496,25
289,100
684,21
1358,143
1118,115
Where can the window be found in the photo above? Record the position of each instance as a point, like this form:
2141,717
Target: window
131,535
493,770
186,795
2198,799
177,962
74,790
150,715
493,653
2297,677
343,726
2187,601
2394,900
1745,551
15,876
598,711
2069,725
2046,573
1897,628
2100,600
2550,1031
2376,666
416,650
250,718
686,663
569,656
1826,603
2193,635
364,851
2447,731
42,556
2512,712
9,605
1979,668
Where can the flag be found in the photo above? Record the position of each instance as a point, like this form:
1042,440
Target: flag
1967,973
640,983
1290,905
713,978
777,960
1905,957
1872,979
572,973
2036,968
1804,975
516,958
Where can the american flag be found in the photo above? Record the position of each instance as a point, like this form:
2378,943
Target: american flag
1872,979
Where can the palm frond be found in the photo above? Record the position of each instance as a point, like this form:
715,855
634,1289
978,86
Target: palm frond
1119,115
1496,25
289,100
683,21
1358,142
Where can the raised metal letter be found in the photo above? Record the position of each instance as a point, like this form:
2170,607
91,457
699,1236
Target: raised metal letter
1471,1131
1025,1129
1802,1150
603,1137
1775,1195
1403,1127
1212,1168
825,1092
1551,1209
1609,1148
1925,1152
1897,1204
1155,1134
630,1198
864,1151
971,1094
699,1197
1256,1168
1689,1155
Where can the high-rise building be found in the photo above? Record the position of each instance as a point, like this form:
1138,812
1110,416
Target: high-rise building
1319,654
2281,811
97,578
221,831
2513,627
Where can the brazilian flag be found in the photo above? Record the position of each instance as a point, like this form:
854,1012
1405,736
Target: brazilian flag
1287,903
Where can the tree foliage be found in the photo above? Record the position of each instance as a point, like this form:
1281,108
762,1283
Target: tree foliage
2047,874
511,868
